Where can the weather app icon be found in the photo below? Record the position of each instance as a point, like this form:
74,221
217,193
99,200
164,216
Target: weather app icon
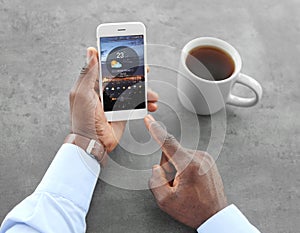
115,64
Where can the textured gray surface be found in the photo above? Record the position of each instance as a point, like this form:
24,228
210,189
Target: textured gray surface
42,46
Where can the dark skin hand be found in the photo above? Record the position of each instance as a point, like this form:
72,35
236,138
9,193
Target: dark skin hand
186,184
87,115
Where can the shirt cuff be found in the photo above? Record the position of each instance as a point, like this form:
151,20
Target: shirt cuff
228,220
73,174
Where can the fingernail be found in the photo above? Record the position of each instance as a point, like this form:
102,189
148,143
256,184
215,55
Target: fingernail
89,54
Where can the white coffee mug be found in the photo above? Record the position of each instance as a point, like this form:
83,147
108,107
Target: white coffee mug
208,97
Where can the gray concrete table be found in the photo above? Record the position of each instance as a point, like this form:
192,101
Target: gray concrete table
42,48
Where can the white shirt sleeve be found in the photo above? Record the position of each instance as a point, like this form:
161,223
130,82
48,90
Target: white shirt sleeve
62,199
228,220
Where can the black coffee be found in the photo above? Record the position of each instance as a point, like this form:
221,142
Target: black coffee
210,63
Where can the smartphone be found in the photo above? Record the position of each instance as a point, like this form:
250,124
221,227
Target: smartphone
123,75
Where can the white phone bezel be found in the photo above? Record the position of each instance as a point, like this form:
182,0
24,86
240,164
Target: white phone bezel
127,29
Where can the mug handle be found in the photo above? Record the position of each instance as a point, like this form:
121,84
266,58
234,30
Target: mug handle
246,102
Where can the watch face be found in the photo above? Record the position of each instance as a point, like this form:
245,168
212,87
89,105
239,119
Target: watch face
122,61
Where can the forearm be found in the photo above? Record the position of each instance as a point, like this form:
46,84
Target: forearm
62,199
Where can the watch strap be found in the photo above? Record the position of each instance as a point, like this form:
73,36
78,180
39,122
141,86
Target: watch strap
90,146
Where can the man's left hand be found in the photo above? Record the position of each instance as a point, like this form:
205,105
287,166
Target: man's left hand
87,115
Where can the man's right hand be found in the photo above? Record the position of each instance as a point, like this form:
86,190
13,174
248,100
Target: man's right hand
186,184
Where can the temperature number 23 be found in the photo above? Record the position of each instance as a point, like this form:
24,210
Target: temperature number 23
120,54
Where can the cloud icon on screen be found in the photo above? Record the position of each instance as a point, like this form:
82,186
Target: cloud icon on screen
115,64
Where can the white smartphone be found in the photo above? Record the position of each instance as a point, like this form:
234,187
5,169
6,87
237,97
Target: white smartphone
123,75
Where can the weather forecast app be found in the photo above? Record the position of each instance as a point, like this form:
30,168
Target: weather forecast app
123,72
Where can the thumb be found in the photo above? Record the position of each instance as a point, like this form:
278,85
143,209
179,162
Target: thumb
90,72
159,184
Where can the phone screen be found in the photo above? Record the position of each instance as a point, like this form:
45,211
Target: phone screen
123,72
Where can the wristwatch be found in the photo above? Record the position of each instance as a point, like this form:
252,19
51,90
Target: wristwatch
90,146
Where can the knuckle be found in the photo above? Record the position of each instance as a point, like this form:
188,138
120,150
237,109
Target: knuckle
72,94
200,156
193,167
194,161
77,94
154,182
194,164
151,182
206,162
208,158
101,129
170,140
201,161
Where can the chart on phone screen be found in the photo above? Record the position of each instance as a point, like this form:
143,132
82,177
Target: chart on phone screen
122,68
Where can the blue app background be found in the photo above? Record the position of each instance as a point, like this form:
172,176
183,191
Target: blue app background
135,42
